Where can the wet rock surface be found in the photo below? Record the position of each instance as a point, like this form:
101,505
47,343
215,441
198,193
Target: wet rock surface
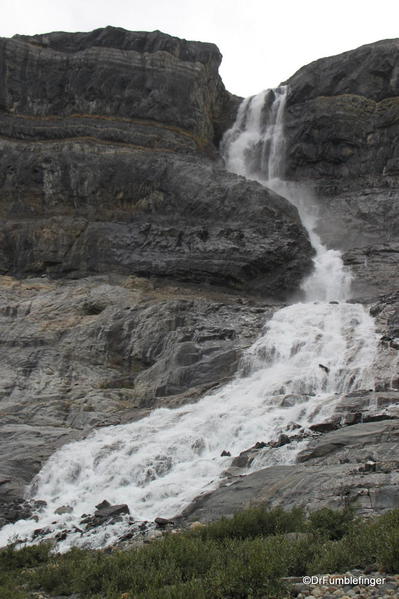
105,513
332,473
355,465
81,354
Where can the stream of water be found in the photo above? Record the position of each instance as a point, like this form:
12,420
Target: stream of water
162,462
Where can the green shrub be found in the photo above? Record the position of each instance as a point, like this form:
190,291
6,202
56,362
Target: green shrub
330,556
254,522
333,524
193,589
27,557
14,565
8,590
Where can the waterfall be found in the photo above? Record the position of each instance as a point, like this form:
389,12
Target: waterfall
254,147
159,464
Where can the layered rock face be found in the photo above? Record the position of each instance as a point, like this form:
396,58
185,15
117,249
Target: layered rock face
106,139
92,211
108,170
342,127
166,85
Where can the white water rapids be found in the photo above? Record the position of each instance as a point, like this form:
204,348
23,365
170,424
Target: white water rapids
160,463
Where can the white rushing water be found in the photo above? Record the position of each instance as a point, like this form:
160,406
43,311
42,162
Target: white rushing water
160,463
254,147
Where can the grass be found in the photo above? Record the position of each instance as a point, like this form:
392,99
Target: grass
244,557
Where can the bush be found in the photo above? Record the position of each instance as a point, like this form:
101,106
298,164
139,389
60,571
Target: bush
333,524
255,522
27,557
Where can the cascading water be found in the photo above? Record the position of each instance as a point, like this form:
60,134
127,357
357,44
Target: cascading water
160,463
254,147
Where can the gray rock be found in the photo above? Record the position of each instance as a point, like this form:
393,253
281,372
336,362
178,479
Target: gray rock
176,217
104,504
63,509
356,442
311,487
332,472
147,78
110,511
162,522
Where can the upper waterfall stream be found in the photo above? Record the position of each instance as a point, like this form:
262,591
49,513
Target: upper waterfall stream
159,464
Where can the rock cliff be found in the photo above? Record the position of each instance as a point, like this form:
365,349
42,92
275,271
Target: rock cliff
342,127
106,140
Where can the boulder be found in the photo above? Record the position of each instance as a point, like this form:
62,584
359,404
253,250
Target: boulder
162,522
104,504
106,513
63,509
110,511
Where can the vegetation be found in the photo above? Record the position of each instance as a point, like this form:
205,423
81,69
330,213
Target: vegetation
240,558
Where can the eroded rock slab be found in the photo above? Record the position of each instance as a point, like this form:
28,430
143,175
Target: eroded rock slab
106,350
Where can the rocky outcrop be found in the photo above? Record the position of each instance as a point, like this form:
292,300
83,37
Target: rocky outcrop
354,466
73,210
311,487
106,140
342,137
152,86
